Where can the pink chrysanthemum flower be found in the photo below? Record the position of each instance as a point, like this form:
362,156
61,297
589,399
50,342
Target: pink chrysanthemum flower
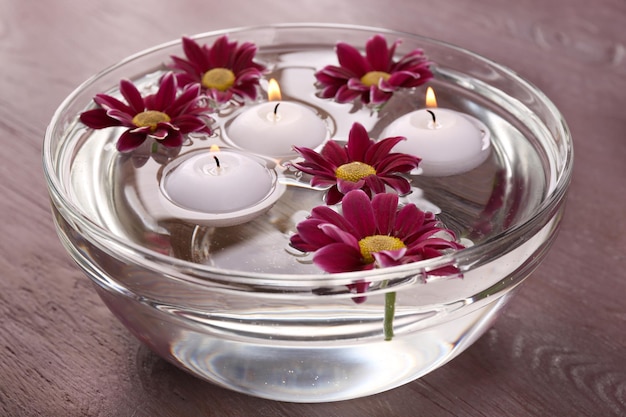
163,116
371,234
361,164
374,77
225,70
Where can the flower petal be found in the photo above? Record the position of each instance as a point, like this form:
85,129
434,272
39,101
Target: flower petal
375,184
359,287
173,139
351,59
124,118
248,75
248,90
328,215
310,237
446,271
160,133
221,52
332,74
358,142
345,186
333,195
408,220
381,149
109,103
398,183
98,119
191,73
377,53
166,94
385,207
397,162
187,99
310,232
188,123
243,60
132,96
338,257
357,209
334,154
387,258
402,78
355,84
338,235
378,96
129,141
314,163
297,242
345,95
195,54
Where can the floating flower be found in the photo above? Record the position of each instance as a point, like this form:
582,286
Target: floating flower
361,164
373,234
162,116
225,70
375,76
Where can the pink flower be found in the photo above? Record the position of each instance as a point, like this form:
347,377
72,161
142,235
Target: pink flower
163,116
374,77
371,234
225,70
361,164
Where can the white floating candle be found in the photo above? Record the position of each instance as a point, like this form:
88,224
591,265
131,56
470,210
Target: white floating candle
219,187
273,128
447,141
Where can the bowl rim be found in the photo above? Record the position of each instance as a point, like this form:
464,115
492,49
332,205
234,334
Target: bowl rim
203,274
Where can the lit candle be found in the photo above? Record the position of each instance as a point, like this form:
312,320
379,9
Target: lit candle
447,141
273,128
221,187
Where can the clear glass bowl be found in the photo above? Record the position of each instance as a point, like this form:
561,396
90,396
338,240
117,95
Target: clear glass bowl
234,306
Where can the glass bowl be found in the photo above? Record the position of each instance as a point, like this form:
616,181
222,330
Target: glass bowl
234,305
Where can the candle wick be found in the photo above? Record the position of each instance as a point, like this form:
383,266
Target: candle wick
276,112
432,114
217,161
433,124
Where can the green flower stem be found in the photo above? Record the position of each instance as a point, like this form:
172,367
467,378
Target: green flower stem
390,311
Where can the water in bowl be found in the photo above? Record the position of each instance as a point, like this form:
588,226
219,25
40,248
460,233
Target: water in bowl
295,344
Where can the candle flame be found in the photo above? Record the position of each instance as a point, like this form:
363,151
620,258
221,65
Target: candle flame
214,150
431,100
273,91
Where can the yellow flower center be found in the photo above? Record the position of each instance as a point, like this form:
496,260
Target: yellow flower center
377,243
373,77
150,118
354,171
219,78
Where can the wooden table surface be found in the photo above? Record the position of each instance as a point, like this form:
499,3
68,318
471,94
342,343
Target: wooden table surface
558,350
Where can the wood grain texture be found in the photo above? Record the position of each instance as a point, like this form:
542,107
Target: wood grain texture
558,350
